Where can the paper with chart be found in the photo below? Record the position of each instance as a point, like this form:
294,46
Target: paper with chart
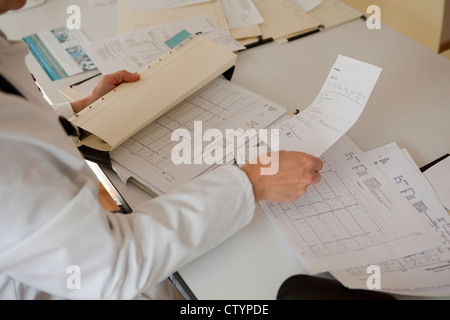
221,105
336,108
135,50
426,273
439,179
353,215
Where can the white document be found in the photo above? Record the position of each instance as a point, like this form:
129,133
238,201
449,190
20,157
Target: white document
221,105
135,50
354,215
144,5
439,177
334,111
306,5
426,273
242,13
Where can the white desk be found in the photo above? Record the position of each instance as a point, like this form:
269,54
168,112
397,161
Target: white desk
410,106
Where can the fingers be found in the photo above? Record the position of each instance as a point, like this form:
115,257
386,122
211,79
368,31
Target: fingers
307,174
295,172
313,163
120,77
129,77
315,178
313,169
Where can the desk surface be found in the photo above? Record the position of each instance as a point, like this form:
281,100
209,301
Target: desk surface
410,106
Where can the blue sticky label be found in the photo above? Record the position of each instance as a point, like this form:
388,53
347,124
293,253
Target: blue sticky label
177,39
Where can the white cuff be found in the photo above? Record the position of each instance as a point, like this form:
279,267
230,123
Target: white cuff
64,109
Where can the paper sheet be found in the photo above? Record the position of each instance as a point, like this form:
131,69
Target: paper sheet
426,273
221,104
439,177
135,50
241,13
130,21
354,215
334,12
306,5
336,108
283,19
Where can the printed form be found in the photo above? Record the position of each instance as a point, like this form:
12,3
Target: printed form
355,214
426,273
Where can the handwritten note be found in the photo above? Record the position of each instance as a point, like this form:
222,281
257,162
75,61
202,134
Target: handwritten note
334,111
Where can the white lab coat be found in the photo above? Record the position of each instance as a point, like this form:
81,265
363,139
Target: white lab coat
50,218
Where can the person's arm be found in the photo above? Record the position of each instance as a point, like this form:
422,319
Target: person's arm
120,256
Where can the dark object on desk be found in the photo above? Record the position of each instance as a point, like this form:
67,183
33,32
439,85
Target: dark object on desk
304,287
428,166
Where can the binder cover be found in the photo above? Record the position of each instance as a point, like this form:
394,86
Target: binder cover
131,106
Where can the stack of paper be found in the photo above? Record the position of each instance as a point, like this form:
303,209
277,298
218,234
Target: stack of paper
372,208
425,273
249,22
132,51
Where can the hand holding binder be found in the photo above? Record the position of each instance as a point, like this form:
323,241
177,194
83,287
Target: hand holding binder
106,84
131,106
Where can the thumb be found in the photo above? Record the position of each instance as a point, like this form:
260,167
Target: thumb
122,76
129,77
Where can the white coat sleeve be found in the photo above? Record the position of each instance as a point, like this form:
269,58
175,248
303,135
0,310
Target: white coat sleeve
120,256
51,219
64,109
